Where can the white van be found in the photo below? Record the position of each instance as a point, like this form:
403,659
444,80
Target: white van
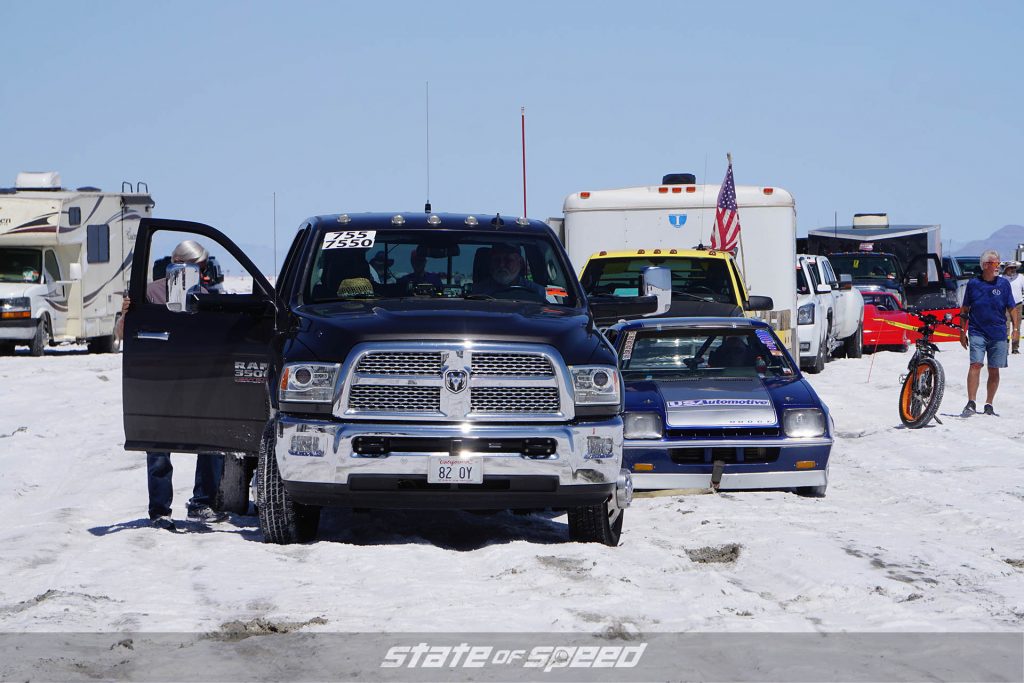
65,256
681,214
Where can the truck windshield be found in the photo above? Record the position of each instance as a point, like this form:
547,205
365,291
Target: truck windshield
692,278
395,264
664,354
872,266
21,265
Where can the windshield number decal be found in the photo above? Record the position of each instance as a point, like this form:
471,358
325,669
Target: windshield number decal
627,348
350,239
766,338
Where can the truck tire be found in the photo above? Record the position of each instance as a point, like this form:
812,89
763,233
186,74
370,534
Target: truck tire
233,493
104,344
41,338
282,520
853,346
818,364
596,524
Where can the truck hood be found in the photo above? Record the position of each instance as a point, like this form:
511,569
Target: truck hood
330,330
10,290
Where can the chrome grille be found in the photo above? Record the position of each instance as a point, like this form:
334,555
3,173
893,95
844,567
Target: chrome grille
400,363
399,399
511,364
514,399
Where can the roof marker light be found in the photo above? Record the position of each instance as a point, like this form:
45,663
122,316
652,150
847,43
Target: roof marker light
584,195
673,251
768,190
434,219
691,188
344,219
676,190
398,219
602,253
472,222
663,190
657,251
641,251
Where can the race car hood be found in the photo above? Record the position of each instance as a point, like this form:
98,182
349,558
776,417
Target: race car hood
706,402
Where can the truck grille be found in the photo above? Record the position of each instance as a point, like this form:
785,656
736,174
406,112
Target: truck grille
401,363
394,399
445,381
514,399
511,365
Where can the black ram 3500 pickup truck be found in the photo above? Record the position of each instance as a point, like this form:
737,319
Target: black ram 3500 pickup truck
401,361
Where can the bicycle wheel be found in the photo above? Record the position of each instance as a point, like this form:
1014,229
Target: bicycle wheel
922,393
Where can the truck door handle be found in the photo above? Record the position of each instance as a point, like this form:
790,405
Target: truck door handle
156,336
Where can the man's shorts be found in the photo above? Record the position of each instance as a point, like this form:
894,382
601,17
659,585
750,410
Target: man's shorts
995,349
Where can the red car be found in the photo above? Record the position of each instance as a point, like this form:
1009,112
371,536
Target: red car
888,325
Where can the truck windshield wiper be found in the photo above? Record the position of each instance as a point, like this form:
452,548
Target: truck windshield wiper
692,297
479,297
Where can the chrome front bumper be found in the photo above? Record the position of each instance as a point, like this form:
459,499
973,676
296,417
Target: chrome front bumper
332,460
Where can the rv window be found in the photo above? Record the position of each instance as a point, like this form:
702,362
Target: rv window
98,244
50,268
74,216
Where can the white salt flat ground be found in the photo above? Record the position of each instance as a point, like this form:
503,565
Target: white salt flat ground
920,531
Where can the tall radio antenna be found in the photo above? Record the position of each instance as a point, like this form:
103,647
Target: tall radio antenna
522,117
426,207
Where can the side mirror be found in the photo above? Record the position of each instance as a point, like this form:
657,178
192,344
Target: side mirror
845,281
765,303
182,283
823,289
657,282
75,271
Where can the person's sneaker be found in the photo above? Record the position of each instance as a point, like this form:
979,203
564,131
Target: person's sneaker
1015,350
164,522
205,513
989,410
970,409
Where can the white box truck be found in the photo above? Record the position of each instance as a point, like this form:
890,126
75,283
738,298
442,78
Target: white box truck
65,256
680,214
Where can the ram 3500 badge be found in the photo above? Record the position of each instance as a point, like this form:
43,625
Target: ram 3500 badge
416,361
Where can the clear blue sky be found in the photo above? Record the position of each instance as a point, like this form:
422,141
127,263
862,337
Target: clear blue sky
914,108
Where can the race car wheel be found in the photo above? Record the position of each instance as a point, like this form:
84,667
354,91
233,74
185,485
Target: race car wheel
596,523
282,520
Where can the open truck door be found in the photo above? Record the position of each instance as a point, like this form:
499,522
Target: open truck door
925,285
195,379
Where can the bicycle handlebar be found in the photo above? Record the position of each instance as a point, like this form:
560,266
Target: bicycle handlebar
928,318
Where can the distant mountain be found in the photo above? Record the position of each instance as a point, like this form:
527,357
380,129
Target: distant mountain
1004,240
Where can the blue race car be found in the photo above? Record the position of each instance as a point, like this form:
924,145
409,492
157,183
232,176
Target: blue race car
718,402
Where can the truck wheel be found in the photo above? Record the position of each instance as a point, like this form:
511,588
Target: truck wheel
819,360
233,493
104,344
596,524
40,339
854,344
282,520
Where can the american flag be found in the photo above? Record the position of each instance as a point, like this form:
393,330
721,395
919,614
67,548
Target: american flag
726,234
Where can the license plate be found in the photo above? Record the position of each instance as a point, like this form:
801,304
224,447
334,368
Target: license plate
447,470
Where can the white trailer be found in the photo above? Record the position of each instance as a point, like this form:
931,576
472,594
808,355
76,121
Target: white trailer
65,257
682,216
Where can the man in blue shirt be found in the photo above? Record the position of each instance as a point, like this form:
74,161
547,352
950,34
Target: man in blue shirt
987,303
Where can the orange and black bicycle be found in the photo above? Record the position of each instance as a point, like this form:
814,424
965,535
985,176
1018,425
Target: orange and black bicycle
925,379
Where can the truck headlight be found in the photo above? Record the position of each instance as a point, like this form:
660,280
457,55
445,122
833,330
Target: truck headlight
805,315
595,385
642,426
309,382
15,307
803,422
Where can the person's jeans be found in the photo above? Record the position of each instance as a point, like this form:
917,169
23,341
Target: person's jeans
161,491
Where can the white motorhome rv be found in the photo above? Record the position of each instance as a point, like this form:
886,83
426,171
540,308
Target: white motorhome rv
682,215
65,256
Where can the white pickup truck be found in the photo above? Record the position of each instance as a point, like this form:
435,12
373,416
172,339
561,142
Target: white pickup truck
830,313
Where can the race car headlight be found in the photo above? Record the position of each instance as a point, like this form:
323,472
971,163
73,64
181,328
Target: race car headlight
805,315
595,385
803,422
309,382
642,425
